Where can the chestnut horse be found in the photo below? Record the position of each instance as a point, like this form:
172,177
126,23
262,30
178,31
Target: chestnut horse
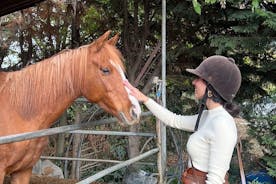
36,96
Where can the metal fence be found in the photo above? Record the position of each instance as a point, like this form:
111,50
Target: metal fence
75,129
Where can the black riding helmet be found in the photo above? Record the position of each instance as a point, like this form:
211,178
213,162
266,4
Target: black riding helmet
222,75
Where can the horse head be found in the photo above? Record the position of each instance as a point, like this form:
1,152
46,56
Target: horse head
103,82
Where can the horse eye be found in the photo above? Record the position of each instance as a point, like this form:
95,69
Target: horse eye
105,71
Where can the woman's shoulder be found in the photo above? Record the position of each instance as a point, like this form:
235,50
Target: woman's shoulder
220,113
223,127
223,121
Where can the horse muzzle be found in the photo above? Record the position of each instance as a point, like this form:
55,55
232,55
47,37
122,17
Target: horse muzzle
135,118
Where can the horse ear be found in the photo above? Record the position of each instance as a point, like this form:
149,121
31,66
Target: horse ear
114,39
102,39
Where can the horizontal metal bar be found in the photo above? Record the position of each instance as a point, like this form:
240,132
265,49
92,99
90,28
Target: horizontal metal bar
117,167
57,130
90,160
80,159
94,132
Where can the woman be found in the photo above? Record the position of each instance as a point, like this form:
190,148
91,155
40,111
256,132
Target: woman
211,145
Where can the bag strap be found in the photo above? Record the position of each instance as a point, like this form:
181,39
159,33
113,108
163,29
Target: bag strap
239,150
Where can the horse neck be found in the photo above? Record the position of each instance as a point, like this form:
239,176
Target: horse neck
46,88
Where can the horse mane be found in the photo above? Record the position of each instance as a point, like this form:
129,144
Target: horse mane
41,85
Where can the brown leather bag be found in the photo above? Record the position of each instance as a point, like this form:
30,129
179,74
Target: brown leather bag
194,176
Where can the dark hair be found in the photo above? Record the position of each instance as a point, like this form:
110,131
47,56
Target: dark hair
215,96
232,108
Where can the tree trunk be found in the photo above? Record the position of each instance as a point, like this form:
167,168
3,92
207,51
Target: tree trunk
75,41
61,137
76,144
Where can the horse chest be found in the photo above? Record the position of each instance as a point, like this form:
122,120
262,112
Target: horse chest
26,154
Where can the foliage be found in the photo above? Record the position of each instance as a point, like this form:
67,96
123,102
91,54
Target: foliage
118,149
255,4
40,33
263,127
255,182
269,140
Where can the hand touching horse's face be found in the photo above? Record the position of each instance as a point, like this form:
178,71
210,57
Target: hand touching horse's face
104,82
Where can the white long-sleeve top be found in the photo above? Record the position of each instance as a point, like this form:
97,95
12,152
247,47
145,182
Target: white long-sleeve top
211,146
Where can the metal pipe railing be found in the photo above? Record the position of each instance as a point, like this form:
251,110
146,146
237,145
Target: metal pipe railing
57,130
117,133
117,167
91,160
75,129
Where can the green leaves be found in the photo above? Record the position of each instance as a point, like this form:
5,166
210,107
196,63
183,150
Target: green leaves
269,18
236,44
91,20
246,28
262,124
197,7
210,1
255,5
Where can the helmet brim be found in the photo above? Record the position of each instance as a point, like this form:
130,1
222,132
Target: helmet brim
193,71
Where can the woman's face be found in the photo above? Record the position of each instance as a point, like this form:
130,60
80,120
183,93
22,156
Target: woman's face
200,87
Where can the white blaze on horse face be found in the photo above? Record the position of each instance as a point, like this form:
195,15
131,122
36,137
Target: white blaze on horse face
136,106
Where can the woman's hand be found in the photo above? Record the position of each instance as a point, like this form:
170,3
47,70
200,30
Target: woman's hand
136,93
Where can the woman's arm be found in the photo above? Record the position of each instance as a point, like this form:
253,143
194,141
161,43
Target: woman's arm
169,118
166,116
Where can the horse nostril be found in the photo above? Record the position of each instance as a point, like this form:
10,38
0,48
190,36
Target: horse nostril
133,113
123,118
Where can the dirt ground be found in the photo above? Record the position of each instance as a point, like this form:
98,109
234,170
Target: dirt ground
47,180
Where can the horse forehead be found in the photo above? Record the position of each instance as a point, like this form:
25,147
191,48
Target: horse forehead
118,68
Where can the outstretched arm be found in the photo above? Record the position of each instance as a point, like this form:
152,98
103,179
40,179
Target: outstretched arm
166,116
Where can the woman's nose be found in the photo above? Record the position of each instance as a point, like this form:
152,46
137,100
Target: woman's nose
194,82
